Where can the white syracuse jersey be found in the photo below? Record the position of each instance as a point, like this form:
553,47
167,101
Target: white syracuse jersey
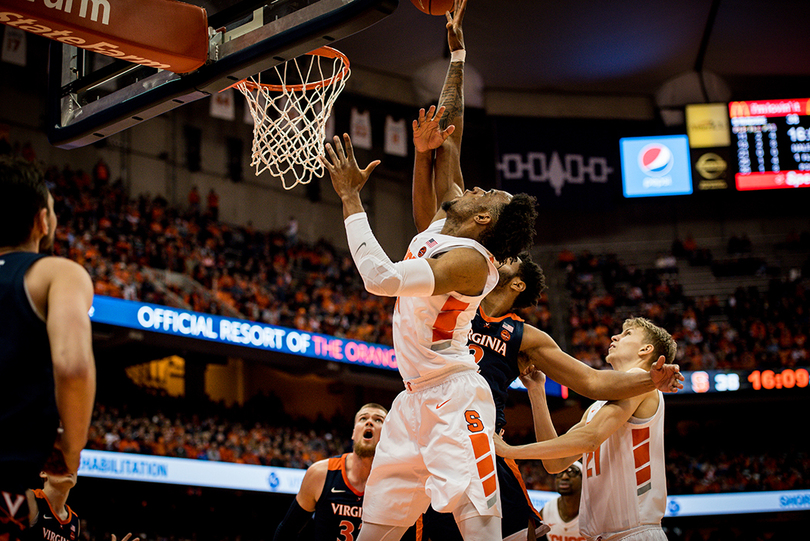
560,530
430,333
624,481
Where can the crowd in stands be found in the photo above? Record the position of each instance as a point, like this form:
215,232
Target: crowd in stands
749,329
265,276
273,277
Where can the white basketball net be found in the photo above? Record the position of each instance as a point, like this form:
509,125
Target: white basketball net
289,120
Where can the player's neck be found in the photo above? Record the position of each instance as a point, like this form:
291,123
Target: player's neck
495,304
30,246
568,506
453,227
358,469
58,499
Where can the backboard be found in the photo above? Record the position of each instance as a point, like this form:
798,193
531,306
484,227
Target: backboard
92,96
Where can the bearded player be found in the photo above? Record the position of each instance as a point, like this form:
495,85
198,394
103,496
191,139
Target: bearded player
332,490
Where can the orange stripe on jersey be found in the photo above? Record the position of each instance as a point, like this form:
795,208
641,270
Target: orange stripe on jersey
489,319
480,443
490,485
420,528
339,463
334,463
516,472
643,475
445,322
640,435
485,466
641,455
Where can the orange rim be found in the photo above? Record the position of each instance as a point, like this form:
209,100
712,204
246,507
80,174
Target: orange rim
325,52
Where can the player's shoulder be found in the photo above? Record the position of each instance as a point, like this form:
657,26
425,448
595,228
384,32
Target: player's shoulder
55,268
319,467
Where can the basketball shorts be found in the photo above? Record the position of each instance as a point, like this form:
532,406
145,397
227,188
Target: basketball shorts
515,505
435,447
14,514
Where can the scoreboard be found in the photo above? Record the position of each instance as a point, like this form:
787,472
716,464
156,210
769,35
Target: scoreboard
772,140
725,381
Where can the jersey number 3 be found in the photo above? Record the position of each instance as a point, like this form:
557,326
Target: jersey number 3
346,531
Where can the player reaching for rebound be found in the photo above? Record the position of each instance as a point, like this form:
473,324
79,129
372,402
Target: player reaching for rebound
621,444
435,446
333,489
502,344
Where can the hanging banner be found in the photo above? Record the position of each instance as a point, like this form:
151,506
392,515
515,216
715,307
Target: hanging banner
396,137
14,46
361,129
222,105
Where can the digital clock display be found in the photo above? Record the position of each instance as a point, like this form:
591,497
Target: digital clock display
724,381
773,143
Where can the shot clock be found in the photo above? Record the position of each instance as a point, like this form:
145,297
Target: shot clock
772,140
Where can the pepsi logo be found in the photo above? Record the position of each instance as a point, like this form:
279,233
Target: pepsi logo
655,160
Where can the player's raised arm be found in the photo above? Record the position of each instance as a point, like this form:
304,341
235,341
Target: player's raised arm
449,180
541,350
427,136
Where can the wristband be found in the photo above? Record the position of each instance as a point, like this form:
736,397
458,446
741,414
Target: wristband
458,56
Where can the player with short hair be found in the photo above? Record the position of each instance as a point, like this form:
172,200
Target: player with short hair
52,518
47,371
561,514
621,444
502,343
436,444
332,491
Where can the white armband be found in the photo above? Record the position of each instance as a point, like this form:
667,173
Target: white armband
409,278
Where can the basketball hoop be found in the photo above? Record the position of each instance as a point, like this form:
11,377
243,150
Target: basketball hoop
290,113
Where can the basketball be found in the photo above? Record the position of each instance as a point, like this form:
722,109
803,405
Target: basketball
433,7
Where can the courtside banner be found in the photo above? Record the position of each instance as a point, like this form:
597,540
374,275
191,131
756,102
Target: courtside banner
202,473
156,33
238,332
184,471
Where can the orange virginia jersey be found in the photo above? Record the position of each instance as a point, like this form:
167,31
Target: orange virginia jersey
624,481
430,333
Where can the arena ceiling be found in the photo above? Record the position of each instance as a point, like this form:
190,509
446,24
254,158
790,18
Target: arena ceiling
758,49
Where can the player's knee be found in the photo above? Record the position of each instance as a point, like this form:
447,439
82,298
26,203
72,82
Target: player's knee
480,528
380,532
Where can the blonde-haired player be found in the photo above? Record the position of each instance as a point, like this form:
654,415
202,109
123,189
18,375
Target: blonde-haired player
621,444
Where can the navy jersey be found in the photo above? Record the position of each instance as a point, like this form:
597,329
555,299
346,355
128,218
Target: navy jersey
48,526
27,400
339,511
495,342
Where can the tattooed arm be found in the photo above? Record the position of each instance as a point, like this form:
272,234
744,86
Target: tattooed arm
449,182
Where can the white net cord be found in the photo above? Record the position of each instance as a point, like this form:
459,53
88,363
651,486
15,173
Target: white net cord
290,119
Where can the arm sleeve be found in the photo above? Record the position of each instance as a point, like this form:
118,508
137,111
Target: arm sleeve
292,524
409,278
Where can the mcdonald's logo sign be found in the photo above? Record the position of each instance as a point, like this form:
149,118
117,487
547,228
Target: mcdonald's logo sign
738,109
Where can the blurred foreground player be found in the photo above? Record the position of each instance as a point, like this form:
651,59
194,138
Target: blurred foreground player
333,489
47,371
621,444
